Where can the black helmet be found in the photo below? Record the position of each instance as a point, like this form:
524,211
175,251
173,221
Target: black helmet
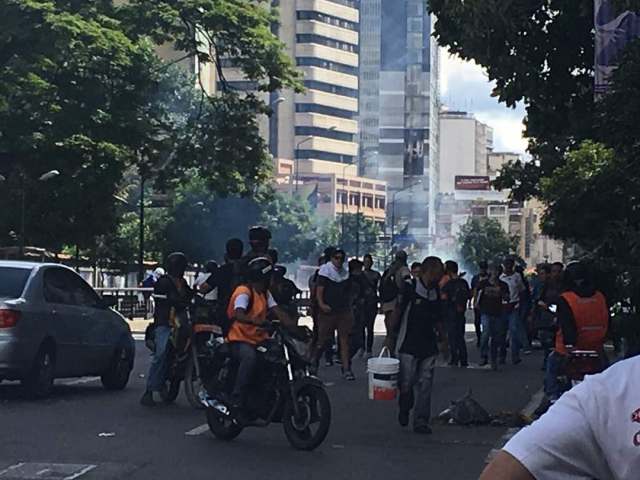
576,274
259,234
211,266
176,264
259,269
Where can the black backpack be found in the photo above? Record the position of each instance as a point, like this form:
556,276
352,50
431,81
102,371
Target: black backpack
388,287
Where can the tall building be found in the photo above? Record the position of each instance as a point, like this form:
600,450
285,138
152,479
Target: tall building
465,145
497,160
399,103
322,37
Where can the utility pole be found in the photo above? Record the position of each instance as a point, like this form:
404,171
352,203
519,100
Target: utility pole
358,228
141,268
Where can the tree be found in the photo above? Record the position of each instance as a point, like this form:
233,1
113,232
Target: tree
83,91
540,53
331,234
483,239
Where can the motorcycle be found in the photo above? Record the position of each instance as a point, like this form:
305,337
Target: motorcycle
190,355
580,363
284,392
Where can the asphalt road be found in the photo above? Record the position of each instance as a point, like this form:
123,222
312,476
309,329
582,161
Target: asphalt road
59,438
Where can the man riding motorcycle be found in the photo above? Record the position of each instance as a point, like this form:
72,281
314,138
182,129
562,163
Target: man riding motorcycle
583,320
172,296
248,308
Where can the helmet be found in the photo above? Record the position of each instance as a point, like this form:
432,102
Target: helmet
176,264
211,266
259,234
576,273
158,272
401,256
259,269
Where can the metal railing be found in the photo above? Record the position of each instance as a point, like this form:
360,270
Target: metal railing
131,302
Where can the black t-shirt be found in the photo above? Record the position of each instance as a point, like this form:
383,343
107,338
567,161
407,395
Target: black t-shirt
371,281
492,296
457,293
477,278
227,278
169,293
425,311
336,294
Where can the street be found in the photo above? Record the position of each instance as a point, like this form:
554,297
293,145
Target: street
60,438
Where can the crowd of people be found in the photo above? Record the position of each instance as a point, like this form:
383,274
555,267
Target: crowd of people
424,306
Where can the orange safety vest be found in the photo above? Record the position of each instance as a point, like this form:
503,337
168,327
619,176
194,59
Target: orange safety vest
592,321
245,332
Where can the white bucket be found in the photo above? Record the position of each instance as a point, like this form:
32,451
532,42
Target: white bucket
383,376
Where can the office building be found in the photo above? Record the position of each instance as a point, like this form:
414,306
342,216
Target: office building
465,145
398,117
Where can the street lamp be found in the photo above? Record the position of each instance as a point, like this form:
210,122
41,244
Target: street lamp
393,208
301,142
277,101
42,178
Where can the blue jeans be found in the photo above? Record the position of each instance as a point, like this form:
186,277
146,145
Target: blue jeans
552,387
512,319
246,357
158,368
494,330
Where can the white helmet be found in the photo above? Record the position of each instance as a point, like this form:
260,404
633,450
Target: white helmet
158,272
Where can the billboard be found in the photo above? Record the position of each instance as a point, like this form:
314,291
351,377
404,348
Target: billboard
465,182
614,30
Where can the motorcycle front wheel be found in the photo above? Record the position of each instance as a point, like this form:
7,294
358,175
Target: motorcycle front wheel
171,390
222,427
310,427
192,385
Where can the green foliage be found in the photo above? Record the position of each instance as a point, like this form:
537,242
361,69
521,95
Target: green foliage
332,234
483,239
83,91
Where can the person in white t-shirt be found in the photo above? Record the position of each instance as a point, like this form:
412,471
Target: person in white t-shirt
592,432
511,310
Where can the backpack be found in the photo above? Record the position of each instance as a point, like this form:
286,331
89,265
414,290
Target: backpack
388,287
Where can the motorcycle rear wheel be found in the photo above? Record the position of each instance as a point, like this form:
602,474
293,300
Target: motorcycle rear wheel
222,427
315,408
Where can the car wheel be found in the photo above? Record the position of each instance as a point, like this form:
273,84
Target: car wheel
39,381
117,377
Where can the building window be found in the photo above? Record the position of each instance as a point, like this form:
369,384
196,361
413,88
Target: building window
347,3
320,155
380,201
356,184
323,110
341,197
354,199
325,133
497,210
240,86
367,201
328,19
327,87
327,65
326,41
381,188
368,186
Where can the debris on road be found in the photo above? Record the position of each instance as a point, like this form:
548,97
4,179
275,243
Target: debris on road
465,411
106,434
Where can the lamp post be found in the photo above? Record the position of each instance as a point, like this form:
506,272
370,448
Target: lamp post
393,209
301,142
23,202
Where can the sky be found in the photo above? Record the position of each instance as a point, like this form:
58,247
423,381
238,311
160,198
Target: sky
465,86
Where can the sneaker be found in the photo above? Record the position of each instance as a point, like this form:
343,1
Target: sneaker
348,375
147,399
403,418
423,429
338,361
528,351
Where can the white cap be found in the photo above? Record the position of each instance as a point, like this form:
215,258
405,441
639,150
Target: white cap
158,272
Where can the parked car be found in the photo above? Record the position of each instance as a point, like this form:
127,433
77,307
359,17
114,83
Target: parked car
54,325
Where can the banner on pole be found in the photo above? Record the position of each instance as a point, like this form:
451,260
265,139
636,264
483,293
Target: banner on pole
613,33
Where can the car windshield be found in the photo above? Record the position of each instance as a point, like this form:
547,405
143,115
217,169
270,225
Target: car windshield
12,281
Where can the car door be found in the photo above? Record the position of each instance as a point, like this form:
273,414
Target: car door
95,328
65,320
